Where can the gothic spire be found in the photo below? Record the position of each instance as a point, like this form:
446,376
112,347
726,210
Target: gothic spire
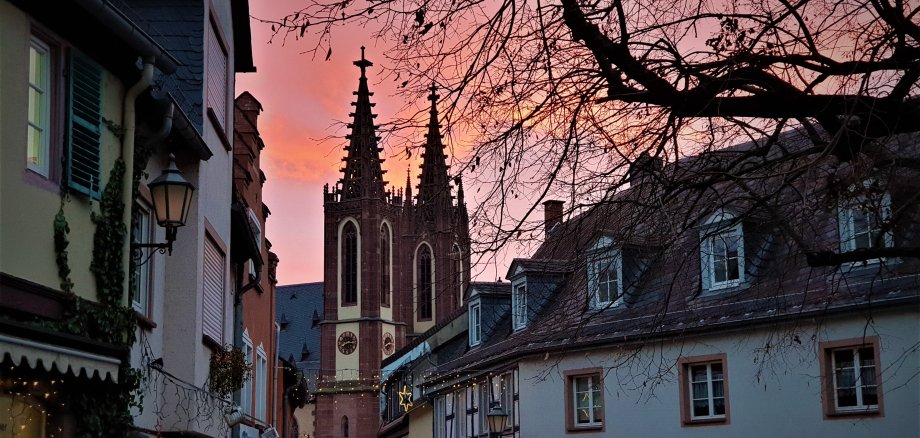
363,176
435,183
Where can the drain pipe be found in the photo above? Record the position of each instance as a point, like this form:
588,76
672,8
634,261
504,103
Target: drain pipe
129,119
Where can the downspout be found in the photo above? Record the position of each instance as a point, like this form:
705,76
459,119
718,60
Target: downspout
129,118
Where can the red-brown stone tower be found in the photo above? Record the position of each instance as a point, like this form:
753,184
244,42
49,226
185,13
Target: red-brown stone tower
392,268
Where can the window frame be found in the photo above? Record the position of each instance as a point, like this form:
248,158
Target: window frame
212,239
343,264
475,323
597,260
247,391
570,378
261,384
828,378
519,317
48,99
258,229
386,263
846,212
717,226
222,123
426,302
143,280
684,380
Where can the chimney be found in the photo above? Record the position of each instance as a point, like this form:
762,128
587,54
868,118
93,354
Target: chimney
643,169
552,214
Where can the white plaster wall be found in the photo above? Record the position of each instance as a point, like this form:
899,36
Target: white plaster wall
779,397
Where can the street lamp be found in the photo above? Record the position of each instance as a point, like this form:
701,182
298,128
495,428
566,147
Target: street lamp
172,198
497,418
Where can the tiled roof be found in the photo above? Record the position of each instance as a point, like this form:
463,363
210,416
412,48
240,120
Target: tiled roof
297,304
178,26
490,287
663,292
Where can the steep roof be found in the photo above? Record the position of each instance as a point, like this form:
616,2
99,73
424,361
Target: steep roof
297,306
434,186
363,176
659,231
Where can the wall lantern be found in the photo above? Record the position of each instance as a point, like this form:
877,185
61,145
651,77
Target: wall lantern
497,418
172,198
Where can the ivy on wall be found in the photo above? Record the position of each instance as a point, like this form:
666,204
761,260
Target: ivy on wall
104,410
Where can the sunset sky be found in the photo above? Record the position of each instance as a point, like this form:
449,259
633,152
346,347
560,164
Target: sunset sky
303,98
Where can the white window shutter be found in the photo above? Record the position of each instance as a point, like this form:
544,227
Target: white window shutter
213,291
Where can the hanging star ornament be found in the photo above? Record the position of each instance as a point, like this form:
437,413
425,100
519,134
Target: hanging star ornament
405,398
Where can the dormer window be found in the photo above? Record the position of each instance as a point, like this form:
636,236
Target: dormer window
861,219
475,327
605,273
722,252
519,306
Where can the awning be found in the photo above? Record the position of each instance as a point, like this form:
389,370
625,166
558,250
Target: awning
65,360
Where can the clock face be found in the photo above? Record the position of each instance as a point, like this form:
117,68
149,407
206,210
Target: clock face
389,345
348,342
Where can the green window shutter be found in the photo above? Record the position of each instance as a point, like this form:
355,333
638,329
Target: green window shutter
84,126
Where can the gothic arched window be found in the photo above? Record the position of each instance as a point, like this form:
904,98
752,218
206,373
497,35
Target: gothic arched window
458,273
345,427
424,277
385,264
349,264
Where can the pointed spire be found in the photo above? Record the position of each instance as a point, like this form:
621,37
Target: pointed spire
363,176
435,183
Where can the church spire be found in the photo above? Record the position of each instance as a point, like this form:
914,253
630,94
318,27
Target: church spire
435,183
363,176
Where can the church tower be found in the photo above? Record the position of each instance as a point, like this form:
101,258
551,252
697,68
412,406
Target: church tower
394,266
437,234
361,234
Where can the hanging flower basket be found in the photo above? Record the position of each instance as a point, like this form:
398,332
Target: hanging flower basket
228,370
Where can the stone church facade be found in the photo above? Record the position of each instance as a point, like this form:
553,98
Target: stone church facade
394,266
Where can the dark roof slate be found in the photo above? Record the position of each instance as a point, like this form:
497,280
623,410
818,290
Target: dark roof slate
297,303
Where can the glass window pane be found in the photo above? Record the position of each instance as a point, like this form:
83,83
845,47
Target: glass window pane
583,416
698,373
718,406
716,371
700,390
732,269
843,358
717,388
870,395
846,378
700,408
846,397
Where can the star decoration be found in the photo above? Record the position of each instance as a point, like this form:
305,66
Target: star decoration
405,398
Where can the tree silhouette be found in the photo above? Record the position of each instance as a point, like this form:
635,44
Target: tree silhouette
562,98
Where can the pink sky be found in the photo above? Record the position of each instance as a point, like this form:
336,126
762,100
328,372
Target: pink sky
302,99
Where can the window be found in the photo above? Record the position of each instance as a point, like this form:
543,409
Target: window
852,377
246,391
604,273
448,416
217,85
519,306
350,264
703,389
261,376
862,217
722,253
142,232
424,277
475,324
38,148
213,283
345,427
458,273
257,228
385,249
474,411
584,400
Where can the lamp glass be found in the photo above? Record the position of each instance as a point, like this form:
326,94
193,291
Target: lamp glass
497,418
172,196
